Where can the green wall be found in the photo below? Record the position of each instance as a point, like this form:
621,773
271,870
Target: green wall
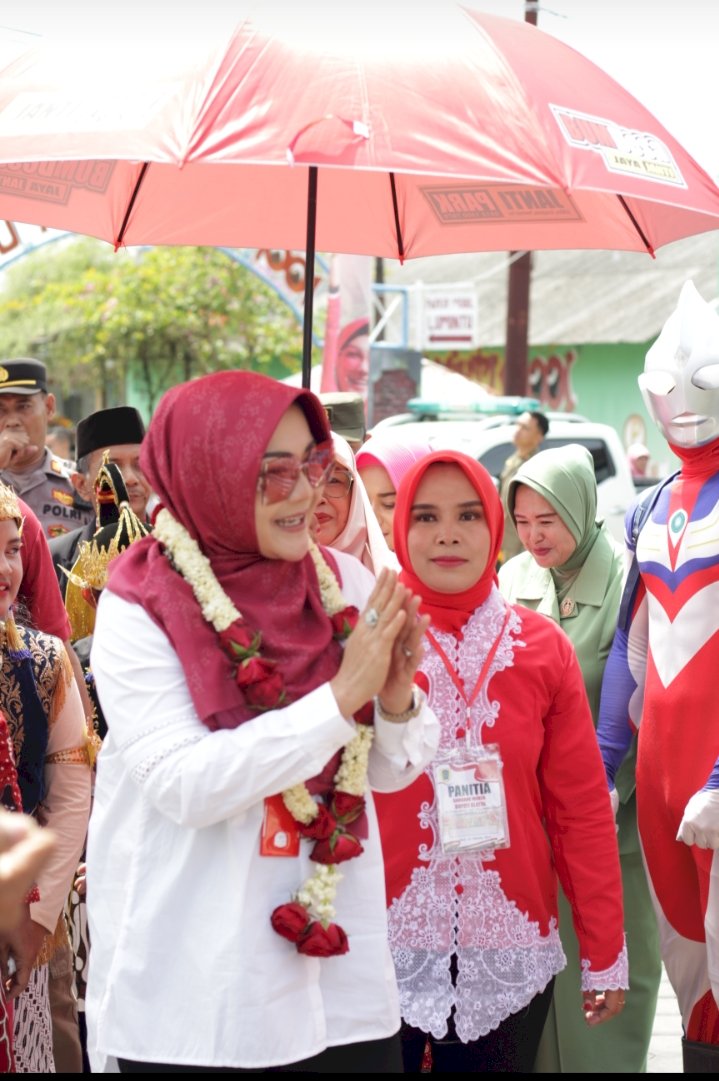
604,380
598,381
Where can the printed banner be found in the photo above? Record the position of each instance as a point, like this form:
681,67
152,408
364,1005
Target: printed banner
345,359
449,318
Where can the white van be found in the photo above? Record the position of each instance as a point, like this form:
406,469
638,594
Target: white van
489,440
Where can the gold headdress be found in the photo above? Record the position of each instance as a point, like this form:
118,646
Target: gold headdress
9,506
118,527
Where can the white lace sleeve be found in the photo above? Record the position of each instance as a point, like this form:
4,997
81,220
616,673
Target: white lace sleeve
610,979
194,776
400,752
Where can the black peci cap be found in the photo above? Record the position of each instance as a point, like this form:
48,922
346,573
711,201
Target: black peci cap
22,376
108,428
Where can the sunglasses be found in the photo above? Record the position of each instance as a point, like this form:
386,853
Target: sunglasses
279,473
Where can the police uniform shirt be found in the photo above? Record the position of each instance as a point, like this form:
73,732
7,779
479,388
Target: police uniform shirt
48,491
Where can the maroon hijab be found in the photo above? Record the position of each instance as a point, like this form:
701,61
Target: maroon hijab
202,456
449,611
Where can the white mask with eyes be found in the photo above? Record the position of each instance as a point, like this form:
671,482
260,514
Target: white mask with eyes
680,381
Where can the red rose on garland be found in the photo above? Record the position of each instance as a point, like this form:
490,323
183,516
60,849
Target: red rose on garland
239,642
320,828
253,670
344,622
312,939
346,808
339,847
269,693
291,921
261,683
319,941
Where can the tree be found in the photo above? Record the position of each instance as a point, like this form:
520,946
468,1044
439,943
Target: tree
157,316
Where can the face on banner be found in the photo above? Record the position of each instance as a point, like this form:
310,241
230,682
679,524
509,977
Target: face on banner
345,360
352,363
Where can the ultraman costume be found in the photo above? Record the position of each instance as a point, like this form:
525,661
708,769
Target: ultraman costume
662,674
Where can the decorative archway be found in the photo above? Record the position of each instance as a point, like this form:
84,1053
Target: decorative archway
283,271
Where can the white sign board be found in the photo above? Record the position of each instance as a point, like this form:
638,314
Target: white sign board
449,319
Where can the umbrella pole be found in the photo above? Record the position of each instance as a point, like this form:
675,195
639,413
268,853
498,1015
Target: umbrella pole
309,276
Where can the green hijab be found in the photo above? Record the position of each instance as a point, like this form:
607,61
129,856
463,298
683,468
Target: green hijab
564,476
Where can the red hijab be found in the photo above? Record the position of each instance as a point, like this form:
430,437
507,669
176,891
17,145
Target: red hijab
449,611
202,456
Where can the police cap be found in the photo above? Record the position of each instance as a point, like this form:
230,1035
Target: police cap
22,376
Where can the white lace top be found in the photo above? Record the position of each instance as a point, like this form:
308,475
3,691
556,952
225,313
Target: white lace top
497,914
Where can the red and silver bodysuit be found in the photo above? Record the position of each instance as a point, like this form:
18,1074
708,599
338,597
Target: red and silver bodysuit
662,672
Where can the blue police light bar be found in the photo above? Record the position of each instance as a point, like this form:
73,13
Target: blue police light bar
512,404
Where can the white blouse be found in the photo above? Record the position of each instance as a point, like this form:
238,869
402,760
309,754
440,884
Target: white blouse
185,967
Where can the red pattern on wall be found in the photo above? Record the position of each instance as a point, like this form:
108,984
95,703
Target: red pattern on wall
549,375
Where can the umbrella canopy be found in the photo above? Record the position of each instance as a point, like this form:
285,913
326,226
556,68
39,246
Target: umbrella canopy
354,128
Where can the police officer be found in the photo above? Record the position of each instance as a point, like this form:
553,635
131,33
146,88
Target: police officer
26,463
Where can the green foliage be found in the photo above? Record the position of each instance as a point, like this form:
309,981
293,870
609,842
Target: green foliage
159,316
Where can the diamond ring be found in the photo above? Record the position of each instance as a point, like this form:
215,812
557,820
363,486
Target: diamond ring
371,617
407,652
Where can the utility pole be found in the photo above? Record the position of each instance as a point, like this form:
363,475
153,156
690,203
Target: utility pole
518,291
378,298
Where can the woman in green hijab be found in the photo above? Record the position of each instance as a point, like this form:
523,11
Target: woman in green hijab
572,572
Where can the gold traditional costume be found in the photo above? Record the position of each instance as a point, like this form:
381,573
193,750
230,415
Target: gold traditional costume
117,527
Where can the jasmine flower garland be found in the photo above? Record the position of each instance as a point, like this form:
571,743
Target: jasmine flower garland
308,919
196,569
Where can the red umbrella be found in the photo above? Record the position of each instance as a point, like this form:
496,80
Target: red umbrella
349,128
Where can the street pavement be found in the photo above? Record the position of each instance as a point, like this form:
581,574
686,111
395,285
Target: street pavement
665,1047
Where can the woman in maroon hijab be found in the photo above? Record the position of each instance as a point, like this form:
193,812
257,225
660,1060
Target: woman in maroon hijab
515,796
235,879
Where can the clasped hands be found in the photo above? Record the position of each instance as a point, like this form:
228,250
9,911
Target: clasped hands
601,1006
383,651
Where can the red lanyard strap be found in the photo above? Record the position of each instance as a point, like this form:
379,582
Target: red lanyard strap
454,675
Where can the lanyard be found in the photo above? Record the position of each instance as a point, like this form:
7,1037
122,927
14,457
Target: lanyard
469,702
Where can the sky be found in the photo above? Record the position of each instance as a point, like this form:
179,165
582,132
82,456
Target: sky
663,51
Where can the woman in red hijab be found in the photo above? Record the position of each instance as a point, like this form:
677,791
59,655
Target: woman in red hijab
235,877
515,796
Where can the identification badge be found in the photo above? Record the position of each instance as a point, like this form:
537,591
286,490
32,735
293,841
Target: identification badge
471,802
280,836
